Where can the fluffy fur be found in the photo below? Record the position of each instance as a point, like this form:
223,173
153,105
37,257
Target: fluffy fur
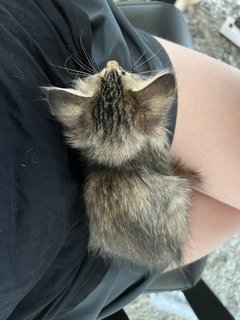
136,198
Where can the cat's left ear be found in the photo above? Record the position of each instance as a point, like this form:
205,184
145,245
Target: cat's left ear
162,86
67,105
154,100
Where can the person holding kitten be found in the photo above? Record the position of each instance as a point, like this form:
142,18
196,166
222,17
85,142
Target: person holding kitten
89,52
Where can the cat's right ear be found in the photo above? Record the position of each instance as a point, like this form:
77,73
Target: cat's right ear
66,105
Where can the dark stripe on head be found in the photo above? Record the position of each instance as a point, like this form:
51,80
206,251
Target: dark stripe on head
109,113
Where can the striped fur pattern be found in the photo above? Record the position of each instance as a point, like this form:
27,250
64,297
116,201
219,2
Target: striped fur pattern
137,199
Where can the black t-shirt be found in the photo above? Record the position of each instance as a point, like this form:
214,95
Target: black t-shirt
45,269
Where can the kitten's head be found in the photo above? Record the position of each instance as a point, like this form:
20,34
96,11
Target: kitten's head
111,115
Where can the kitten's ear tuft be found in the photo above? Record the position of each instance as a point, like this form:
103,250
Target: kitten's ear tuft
65,104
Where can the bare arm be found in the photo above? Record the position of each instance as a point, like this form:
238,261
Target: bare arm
207,139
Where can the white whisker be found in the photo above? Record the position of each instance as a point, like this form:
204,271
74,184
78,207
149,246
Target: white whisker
76,73
82,65
71,71
147,60
65,64
139,59
90,61
150,72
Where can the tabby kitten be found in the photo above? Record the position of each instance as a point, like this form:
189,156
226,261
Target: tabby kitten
136,199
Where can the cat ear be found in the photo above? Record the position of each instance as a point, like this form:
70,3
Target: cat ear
162,85
67,105
155,98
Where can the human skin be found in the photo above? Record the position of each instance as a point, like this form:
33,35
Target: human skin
207,139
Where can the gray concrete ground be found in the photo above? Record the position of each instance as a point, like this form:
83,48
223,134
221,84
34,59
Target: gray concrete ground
222,272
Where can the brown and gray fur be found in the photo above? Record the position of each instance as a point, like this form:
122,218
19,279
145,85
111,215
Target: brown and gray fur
136,198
